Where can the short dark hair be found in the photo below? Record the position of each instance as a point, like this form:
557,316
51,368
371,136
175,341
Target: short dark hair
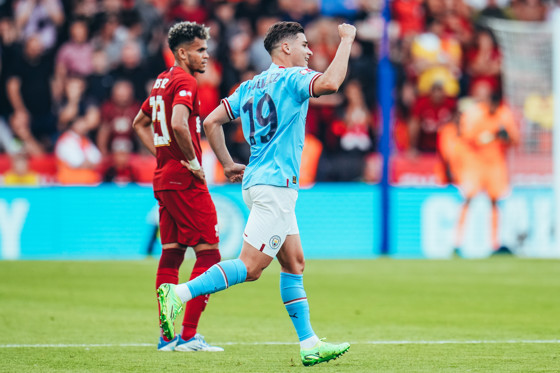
186,32
280,31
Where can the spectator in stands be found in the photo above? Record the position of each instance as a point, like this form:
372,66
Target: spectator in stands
355,134
110,38
117,115
258,56
120,169
410,16
457,23
358,135
209,89
75,103
19,173
484,61
404,106
99,82
154,37
75,56
8,49
253,11
39,18
238,63
187,10
301,11
428,114
132,69
77,157
436,57
29,93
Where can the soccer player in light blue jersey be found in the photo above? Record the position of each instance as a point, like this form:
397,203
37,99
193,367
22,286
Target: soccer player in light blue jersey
273,109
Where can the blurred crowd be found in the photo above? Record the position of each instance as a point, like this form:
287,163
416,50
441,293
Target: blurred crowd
73,75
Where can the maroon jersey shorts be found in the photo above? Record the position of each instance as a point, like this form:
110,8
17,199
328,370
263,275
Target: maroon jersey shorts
187,216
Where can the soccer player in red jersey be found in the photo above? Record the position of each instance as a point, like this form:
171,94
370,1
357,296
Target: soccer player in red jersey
169,125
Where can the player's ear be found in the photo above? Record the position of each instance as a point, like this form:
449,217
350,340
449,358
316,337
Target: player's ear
286,47
182,53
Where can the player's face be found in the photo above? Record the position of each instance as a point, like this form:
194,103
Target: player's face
300,51
197,55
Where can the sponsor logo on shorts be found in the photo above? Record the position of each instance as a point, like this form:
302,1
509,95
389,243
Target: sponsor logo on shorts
275,242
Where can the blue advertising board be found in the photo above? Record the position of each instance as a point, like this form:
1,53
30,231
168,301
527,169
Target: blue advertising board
336,221
112,222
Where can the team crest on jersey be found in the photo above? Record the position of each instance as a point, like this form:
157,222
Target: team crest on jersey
275,242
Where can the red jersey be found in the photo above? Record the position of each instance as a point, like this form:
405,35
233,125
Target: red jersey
118,119
431,116
173,87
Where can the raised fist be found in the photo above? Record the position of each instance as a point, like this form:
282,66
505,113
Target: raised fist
346,31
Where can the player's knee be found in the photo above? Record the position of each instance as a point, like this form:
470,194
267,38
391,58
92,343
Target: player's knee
253,274
295,266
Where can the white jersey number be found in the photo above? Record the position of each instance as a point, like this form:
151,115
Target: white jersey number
158,115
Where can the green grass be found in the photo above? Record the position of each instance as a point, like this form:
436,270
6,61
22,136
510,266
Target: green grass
499,299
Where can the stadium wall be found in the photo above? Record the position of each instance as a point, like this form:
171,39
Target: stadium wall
336,221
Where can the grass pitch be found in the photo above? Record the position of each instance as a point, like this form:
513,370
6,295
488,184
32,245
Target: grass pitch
495,315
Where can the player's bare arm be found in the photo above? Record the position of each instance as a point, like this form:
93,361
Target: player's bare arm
333,77
142,124
180,126
215,134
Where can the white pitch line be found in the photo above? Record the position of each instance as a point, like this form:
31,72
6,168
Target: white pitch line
511,341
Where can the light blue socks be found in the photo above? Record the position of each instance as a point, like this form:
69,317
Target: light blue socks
295,301
218,277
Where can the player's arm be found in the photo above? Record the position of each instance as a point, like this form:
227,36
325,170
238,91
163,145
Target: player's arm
333,77
509,126
215,135
142,124
180,127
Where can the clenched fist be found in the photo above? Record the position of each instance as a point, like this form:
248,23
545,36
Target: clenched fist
347,31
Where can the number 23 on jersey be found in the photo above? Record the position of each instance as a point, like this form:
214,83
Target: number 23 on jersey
158,116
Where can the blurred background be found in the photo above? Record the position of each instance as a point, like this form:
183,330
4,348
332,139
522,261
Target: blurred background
396,163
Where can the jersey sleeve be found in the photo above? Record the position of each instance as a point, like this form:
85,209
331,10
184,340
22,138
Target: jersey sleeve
233,104
300,80
184,93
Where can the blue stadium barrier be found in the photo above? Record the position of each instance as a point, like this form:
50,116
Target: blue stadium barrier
335,221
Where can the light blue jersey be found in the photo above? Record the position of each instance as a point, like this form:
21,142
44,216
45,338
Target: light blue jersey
273,109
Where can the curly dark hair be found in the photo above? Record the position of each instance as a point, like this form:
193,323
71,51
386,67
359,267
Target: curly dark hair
280,31
186,32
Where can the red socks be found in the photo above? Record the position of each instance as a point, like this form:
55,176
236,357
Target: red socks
204,260
168,268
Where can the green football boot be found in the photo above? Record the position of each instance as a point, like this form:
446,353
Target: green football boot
322,352
170,305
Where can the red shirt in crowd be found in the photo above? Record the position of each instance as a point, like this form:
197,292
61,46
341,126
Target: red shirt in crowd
118,119
431,116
